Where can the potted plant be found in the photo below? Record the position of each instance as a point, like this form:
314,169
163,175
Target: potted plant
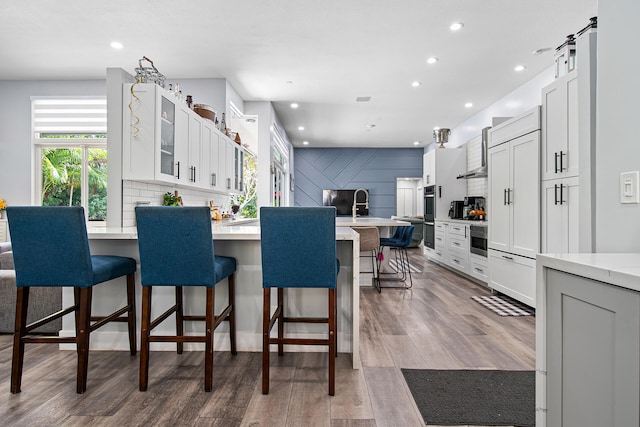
3,206
172,199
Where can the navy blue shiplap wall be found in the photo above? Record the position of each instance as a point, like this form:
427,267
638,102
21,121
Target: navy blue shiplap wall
376,169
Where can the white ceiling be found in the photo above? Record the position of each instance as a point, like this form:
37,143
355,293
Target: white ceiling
332,51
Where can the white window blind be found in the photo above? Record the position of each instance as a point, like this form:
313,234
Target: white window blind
69,116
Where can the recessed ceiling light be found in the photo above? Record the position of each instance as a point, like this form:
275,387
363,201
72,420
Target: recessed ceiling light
416,142
363,99
416,83
371,126
456,26
540,51
432,60
294,105
305,142
116,45
468,105
519,68
300,127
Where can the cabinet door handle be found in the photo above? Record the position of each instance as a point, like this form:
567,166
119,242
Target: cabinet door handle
555,194
561,197
507,257
214,179
194,174
561,154
456,243
556,162
228,183
178,167
509,201
465,232
440,191
504,197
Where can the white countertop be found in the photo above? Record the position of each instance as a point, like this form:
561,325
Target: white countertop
622,269
221,231
464,221
368,221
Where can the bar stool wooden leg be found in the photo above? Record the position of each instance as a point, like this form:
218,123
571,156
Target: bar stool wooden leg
131,314
208,351
144,337
22,304
332,342
179,319
281,322
232,315
266,320
82,338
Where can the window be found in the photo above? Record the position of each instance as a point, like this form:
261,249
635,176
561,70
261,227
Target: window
70,149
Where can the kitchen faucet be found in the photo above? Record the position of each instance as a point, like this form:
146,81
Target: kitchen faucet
355,203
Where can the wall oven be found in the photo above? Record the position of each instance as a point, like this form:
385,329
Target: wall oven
429,234
479,235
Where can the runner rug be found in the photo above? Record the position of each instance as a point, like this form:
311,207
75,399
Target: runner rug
504,306
473,397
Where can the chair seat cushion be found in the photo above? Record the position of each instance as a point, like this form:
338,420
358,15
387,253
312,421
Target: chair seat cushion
225,266
107,267
388,241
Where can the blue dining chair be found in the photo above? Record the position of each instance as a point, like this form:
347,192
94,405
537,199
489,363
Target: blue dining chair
298,247
176,249
51,248
399,242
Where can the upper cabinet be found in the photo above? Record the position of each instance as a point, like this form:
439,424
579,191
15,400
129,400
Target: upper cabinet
441,167
560,148
165,141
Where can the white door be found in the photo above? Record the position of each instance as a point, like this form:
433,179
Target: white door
498,209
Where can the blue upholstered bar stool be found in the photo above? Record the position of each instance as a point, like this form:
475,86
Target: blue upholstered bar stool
399,242
51,248
176,249
298,251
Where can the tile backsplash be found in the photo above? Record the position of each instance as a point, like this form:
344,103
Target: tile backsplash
134,192
475,186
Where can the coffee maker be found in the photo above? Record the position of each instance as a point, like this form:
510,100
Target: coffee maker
472,203
456,209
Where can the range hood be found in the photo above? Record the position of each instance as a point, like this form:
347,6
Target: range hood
480,172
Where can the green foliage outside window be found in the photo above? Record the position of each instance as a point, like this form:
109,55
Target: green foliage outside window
248,199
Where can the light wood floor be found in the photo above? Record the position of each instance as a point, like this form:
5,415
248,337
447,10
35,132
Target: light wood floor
435,325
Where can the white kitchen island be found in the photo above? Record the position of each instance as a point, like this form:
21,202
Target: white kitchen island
588,340
240,240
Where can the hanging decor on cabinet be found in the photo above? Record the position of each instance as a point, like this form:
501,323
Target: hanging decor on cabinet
149,74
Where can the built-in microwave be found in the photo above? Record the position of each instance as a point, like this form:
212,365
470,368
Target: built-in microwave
479,234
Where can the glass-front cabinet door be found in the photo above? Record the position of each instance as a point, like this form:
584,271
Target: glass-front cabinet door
167,137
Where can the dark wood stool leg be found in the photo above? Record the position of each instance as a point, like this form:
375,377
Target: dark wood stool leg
332,342
266,319
208,347
22,304
144,337
131,314
179,318
82,338
232,315
281,322
76,313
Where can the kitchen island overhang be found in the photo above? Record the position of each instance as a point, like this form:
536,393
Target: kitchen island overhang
241,241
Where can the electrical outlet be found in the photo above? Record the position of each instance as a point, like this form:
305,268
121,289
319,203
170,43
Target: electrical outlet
629,182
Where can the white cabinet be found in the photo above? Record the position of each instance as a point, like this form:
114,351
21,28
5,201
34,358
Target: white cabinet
441,167
560,213
588,342
440,242
513,205
567,141
479,267
165,141
452,249
458,246
513,275
560,148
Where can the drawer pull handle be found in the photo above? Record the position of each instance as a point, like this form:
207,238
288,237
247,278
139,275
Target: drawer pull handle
479,270
507,257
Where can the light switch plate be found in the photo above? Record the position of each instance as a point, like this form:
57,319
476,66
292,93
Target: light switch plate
629,183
